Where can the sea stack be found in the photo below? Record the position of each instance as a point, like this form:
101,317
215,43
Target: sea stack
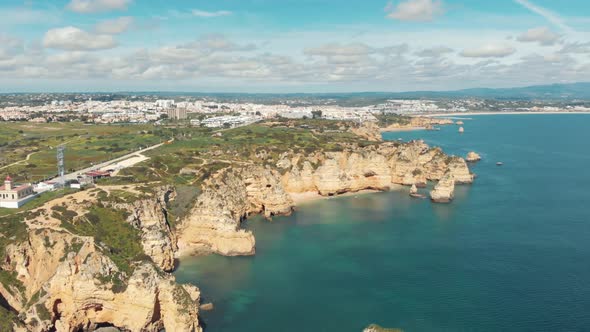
473,157
444,190
461,130
413,190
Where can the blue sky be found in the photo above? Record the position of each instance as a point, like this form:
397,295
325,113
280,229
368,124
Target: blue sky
291,46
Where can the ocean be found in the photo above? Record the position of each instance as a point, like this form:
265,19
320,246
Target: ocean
510,253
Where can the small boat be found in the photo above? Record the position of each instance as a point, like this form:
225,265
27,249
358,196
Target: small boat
461,130
400,139
499,163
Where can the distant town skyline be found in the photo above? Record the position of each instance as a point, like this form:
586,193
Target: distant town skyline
290,46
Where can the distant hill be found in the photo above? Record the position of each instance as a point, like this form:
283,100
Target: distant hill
537,92
544,92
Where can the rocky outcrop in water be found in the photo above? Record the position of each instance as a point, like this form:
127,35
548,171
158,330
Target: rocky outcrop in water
473,157
377,328
444,191
65,282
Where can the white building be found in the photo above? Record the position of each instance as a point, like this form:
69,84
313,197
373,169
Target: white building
164,103
46,186
13,197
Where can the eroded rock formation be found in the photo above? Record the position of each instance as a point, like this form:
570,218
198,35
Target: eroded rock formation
473,157
444,191
66,283
213,224
149,215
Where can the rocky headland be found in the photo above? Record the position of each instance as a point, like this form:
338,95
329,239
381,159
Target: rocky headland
213,225
102,257
414,123
53,278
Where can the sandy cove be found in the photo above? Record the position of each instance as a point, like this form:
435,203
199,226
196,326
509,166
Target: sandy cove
401,129
310,196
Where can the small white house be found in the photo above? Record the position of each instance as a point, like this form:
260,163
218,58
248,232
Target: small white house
42,187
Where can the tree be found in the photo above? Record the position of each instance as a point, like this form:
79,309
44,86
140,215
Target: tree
316,114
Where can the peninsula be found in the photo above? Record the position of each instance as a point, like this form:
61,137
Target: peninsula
102,256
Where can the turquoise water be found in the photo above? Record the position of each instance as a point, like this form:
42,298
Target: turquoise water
511,253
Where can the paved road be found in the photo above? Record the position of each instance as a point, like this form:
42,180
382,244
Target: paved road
138,154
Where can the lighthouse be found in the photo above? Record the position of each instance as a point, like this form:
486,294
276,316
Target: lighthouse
8,183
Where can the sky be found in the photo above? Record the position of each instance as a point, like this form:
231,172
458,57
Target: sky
271,46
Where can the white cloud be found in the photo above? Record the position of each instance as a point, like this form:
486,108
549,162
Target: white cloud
434,52
207,14
416,10
215,62
74,39
547,14
217,42
576,48
543,35
96,6
489,51
339,49
114,26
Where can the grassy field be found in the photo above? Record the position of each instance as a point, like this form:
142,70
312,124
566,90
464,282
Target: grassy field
197,153
85,145
28,151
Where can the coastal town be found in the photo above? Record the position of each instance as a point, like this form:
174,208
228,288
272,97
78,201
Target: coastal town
212,113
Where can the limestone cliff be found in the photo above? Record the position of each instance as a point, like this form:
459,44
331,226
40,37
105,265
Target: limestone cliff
66,283
444,190
418,122
149,215
372,167
213,225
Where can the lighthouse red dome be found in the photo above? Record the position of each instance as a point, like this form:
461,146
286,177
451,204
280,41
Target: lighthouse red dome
8,178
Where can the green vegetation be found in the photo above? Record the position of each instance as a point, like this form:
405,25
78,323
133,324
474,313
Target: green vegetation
182,203
85,145
42,312
120,241
37,201
387,119
197,153
12,230
7,320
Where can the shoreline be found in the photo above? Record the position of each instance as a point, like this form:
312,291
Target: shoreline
401,129
299,199
311,196
498,113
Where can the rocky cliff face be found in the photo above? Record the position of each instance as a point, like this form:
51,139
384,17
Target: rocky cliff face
373,167
68,284
444,190
213,224
149,215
